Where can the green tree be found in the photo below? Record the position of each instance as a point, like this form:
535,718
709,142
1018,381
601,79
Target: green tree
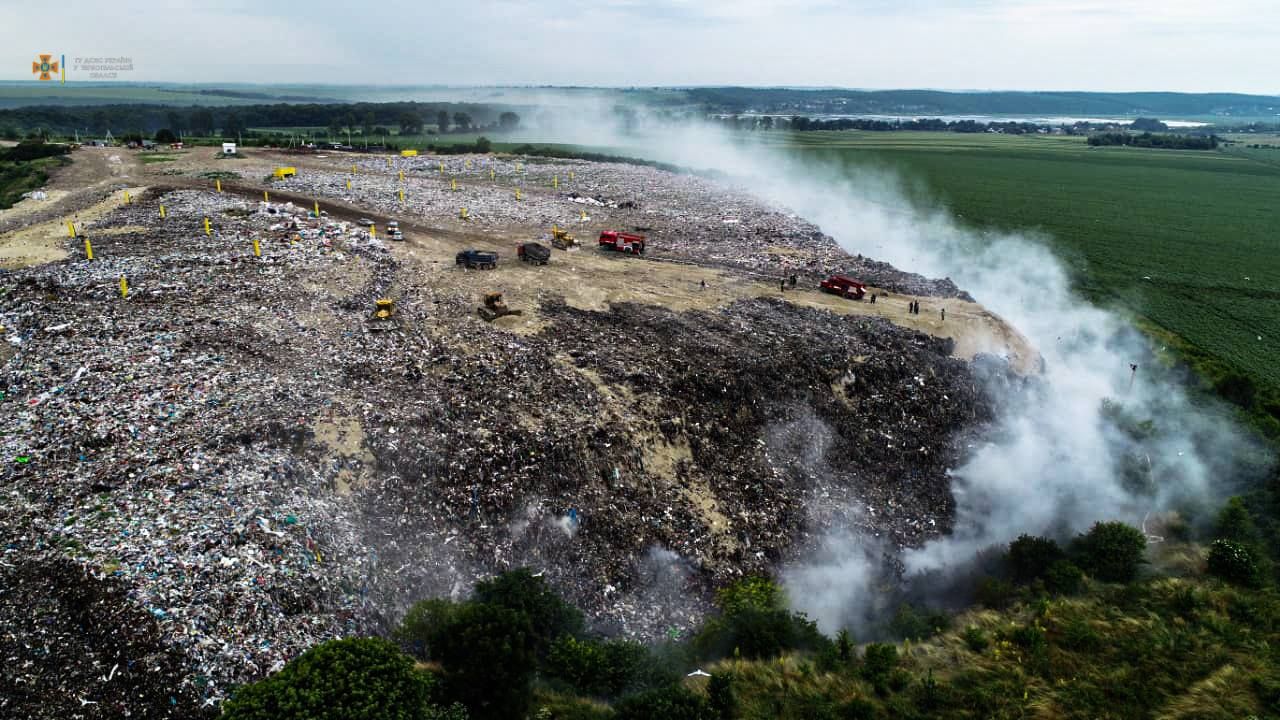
367,123
442,121
751,593
232,126
1234,523
721,698
483,145
1111,551
488,659
1030,557
878,660
423,623
1236,563
202,123
353,679
165,135
520,590
410,123
462,120
509,121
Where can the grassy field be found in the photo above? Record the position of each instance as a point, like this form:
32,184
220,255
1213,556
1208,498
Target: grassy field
17,178
1202,226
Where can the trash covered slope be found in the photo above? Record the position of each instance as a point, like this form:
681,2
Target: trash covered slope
256,470
687,217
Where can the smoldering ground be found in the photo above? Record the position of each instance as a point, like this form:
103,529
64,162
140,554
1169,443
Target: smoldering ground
1103,432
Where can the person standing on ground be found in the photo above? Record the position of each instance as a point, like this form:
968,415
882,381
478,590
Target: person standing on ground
782,286
944,314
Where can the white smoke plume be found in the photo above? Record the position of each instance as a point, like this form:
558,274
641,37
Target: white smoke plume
1054,462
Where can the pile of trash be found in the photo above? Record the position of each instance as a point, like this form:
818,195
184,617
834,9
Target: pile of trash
686,217
241,469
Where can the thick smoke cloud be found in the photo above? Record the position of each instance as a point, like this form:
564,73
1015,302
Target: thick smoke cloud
1069,447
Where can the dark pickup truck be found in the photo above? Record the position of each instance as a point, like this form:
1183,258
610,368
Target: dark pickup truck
482,259
533,252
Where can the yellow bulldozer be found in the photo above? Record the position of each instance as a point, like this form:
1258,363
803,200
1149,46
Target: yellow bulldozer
384,315
563,239
494,307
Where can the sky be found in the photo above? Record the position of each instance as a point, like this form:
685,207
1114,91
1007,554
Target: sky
1100,45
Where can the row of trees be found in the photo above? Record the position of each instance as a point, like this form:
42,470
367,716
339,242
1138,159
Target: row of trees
362,118
1155,140
486,657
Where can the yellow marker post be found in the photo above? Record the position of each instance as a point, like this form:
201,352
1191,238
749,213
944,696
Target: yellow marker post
468,163
161,212
88,249
453,184
388,162
348,183
124,287
71,229
207,229
517,194
257,249
570,176
265,197
401,176
555,181
584,216
353,169
463,214
219,184
126,197
402,196
442,167
491,173
519,167
373,231
317,208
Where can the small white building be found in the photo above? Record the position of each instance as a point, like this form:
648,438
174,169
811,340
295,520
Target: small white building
228,148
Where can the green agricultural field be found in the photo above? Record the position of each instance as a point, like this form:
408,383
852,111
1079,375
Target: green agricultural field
1204,226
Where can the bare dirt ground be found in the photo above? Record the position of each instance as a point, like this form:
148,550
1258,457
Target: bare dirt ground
585,278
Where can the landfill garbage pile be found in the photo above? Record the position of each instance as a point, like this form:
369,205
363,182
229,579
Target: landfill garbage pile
614,437
686,217
239,467
86,651
152,440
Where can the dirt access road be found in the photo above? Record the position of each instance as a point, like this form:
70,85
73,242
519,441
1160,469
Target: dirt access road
586,278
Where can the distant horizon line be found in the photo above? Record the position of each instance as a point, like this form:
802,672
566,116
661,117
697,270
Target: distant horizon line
553,86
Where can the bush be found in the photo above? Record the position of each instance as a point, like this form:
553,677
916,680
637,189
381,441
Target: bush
911,624
858,709
994,593
1030,557
419,630
752,593
674,702
1235,524
721,699
354,679
877,660
606,669
1111,551
488,659
1235,562
33,150
755,633
549,615
975,639
1064,578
